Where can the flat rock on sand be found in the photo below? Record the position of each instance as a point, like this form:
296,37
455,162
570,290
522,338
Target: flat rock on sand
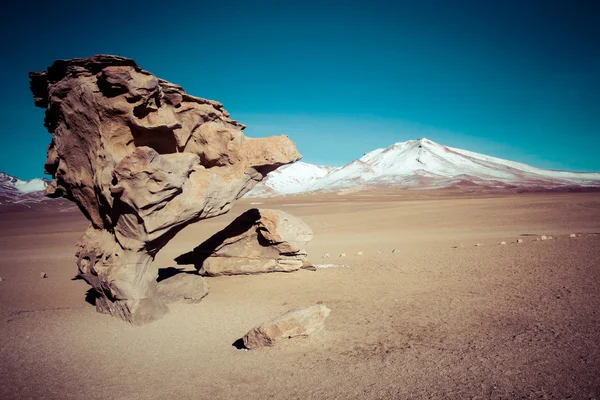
190,288
299,322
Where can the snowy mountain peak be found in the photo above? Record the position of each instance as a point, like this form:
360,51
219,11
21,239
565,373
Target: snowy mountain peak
420,163
33,185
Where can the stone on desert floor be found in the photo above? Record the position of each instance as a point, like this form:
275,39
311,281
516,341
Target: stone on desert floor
519,240
343,255
503,242
258,241
360,253
142,159
190,288
1,279
326,255
572,235
43,275
543,237
299,322
395,251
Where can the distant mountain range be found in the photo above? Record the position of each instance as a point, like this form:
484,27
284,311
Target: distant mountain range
19,195
414,164
420,164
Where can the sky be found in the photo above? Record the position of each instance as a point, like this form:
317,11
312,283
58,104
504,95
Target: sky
513,79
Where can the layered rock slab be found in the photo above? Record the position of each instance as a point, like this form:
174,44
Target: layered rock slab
142,159
184,287
298,322
258,241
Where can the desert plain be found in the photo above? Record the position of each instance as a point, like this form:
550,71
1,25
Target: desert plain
438,318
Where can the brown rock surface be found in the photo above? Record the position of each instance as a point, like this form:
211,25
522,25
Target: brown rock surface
299,322
259,240
142,159
189,288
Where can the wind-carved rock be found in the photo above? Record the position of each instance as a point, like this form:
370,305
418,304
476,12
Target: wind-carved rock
258,241
142,159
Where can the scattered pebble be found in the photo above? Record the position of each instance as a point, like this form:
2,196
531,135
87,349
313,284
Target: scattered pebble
378,252
395,251
549,237
329,266
503,242
43,275
543,237
478,245
359,253
343,255
326,255
519,240
1,279
572,235
537,239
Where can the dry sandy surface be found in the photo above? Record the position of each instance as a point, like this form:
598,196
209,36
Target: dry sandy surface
440,318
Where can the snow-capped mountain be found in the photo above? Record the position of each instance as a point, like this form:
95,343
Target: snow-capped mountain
10,183
17,194
419,163
293,178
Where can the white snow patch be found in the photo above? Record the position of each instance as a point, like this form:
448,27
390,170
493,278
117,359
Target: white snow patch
34,185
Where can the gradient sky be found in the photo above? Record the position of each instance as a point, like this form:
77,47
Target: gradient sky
512,79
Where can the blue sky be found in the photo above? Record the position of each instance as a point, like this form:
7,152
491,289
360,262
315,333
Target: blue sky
512,79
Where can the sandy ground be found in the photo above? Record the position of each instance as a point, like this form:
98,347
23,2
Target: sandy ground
440,318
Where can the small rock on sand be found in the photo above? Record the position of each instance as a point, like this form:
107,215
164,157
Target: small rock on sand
43,275
519,240
326,255
378,252
1,279
478,245
343,255
395,251
549,237
543,237
300,322
503,242
360,253
572,235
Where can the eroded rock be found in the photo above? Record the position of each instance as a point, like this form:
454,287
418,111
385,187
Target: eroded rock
258,241
142,159
189,288
299,322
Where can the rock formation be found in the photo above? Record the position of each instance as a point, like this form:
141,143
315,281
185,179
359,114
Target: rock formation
142,159
259,240
299,322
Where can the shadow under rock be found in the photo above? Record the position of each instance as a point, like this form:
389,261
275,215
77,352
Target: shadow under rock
239,225
239,344
169,272
91,295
